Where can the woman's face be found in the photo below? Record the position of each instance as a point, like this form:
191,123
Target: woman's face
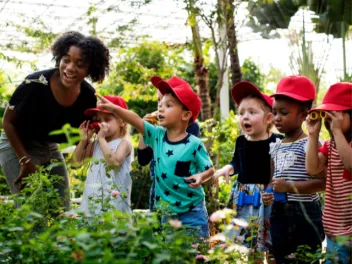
72,68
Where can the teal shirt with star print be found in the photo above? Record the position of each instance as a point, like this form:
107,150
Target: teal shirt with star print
175,161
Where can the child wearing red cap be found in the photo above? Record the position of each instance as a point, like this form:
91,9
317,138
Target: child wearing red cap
336,157
108,183
296,211
182,163
256,118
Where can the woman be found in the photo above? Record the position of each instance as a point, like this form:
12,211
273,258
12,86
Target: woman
44,102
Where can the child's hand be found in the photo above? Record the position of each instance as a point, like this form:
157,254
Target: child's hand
197,181
225,171
313,126
280,185
104,128
267,198
86,133
105,104
335,119
222,172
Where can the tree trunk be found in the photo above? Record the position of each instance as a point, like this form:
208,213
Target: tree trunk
236,74
201,72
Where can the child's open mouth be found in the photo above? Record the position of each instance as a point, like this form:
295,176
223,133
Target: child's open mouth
161,118
247,126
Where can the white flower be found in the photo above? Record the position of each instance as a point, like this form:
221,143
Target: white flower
43,80
175,223
220,214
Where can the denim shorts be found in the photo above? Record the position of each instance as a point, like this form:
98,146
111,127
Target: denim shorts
338,253
295,224
41,154
196,221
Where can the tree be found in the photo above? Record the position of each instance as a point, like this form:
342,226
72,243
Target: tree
201,72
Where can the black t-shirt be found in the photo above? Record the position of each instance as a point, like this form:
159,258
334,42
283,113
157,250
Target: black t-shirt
252,161
38,112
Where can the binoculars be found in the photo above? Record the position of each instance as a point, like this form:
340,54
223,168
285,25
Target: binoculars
278,196
244,199
94,126
314,115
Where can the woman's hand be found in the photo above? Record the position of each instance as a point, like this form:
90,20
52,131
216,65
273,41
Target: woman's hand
25,170
267,198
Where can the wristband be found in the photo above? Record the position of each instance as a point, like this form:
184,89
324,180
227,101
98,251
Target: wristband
20,160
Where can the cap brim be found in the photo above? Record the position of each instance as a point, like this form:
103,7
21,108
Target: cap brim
331,107
293,96
242,89
155,81
94,111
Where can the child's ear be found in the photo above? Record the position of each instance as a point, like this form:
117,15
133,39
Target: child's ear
187,115
269,118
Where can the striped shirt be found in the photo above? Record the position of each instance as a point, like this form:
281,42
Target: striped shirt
289,164
337,217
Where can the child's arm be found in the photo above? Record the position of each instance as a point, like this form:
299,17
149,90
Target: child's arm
200,178
315,161
144,153
126,115
342,146
84,148
304,187
114,159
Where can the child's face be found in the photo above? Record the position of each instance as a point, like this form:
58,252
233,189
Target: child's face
254,120
114,125
287,115
171,111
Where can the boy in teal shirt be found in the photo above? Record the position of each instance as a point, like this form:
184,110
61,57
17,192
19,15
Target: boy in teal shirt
182,163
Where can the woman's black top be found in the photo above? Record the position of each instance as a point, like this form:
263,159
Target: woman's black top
252,161
38,112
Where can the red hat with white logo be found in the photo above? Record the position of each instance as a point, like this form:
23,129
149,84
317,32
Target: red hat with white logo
116,100
183,92
243,89
337,98
297,87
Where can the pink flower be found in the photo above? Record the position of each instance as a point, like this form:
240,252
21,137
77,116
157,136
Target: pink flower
195,246
201,257
175,223
220,214
115,193
291,256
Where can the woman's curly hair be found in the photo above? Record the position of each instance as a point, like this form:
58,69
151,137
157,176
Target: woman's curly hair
94,53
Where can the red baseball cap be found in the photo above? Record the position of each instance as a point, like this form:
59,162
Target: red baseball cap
116,100
183,92
297,87
243,89
337,98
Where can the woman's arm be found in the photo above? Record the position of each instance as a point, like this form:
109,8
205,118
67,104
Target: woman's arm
27,166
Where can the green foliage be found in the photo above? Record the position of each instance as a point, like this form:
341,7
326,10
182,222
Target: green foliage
251,72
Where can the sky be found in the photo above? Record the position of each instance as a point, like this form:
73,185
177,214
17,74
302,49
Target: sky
163,20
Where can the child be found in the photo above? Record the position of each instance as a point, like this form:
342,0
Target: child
108,183
296,214
254,109
145,153
336,156
179,156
